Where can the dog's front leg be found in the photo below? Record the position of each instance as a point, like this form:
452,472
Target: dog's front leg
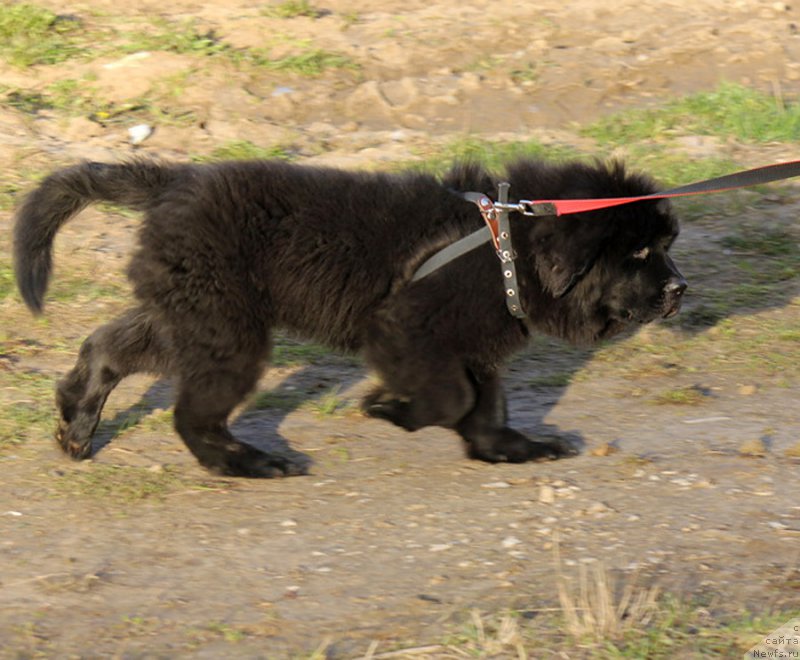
488,438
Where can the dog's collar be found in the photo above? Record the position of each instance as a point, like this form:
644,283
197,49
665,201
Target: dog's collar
498,231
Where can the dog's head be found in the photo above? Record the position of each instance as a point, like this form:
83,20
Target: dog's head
610,268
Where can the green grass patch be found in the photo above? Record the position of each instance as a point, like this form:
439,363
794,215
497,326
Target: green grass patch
289,352
330,404
140,417
672,168
494,155
682,396
26,407
729,111
560,379
73,287
167,36
683,630
7,280
758,345
291,9
78,97
245,150
769,242
309,62
277,400
31,35
670,628
112,484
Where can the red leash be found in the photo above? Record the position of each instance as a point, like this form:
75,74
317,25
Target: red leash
744,179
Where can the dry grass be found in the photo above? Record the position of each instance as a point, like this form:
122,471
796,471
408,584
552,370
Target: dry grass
591,610
486,637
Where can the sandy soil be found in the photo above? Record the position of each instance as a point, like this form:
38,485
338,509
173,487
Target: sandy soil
395,537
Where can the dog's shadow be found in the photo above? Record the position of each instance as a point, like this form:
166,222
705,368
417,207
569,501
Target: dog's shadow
259,420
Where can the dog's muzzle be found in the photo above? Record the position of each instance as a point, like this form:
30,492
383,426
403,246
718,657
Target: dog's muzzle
673,295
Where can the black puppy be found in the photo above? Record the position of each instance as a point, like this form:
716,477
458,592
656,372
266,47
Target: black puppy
229,251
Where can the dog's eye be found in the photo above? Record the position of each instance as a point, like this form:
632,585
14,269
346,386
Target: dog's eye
642,254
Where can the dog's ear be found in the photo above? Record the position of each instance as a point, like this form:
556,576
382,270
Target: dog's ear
564,250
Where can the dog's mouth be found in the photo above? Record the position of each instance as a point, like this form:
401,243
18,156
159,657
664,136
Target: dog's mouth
672,306
665,309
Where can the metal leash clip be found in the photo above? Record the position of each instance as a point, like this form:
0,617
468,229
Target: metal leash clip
529,207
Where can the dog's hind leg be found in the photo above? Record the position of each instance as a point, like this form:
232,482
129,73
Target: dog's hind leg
487,436
210,387
127,345
418,391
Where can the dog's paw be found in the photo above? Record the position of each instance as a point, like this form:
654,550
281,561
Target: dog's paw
246,461
551,448
509,446
382,405
77,448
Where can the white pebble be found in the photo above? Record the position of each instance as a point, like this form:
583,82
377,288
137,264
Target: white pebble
440,547
139,133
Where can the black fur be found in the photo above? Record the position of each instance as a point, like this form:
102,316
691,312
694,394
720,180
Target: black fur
229,251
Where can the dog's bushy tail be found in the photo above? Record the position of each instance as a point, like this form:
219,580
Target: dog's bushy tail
63,194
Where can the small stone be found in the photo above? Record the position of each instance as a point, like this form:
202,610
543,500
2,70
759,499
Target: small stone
126,61
289,523
440,547
604,450
680,481
156,469
755,448
139,133
510,542
598,507
748,390
547,494
496,484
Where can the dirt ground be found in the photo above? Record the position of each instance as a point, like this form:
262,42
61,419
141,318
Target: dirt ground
394,538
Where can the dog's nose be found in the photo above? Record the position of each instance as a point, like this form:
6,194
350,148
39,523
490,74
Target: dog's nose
675,287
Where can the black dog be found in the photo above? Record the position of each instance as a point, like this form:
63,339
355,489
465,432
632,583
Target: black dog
229,251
